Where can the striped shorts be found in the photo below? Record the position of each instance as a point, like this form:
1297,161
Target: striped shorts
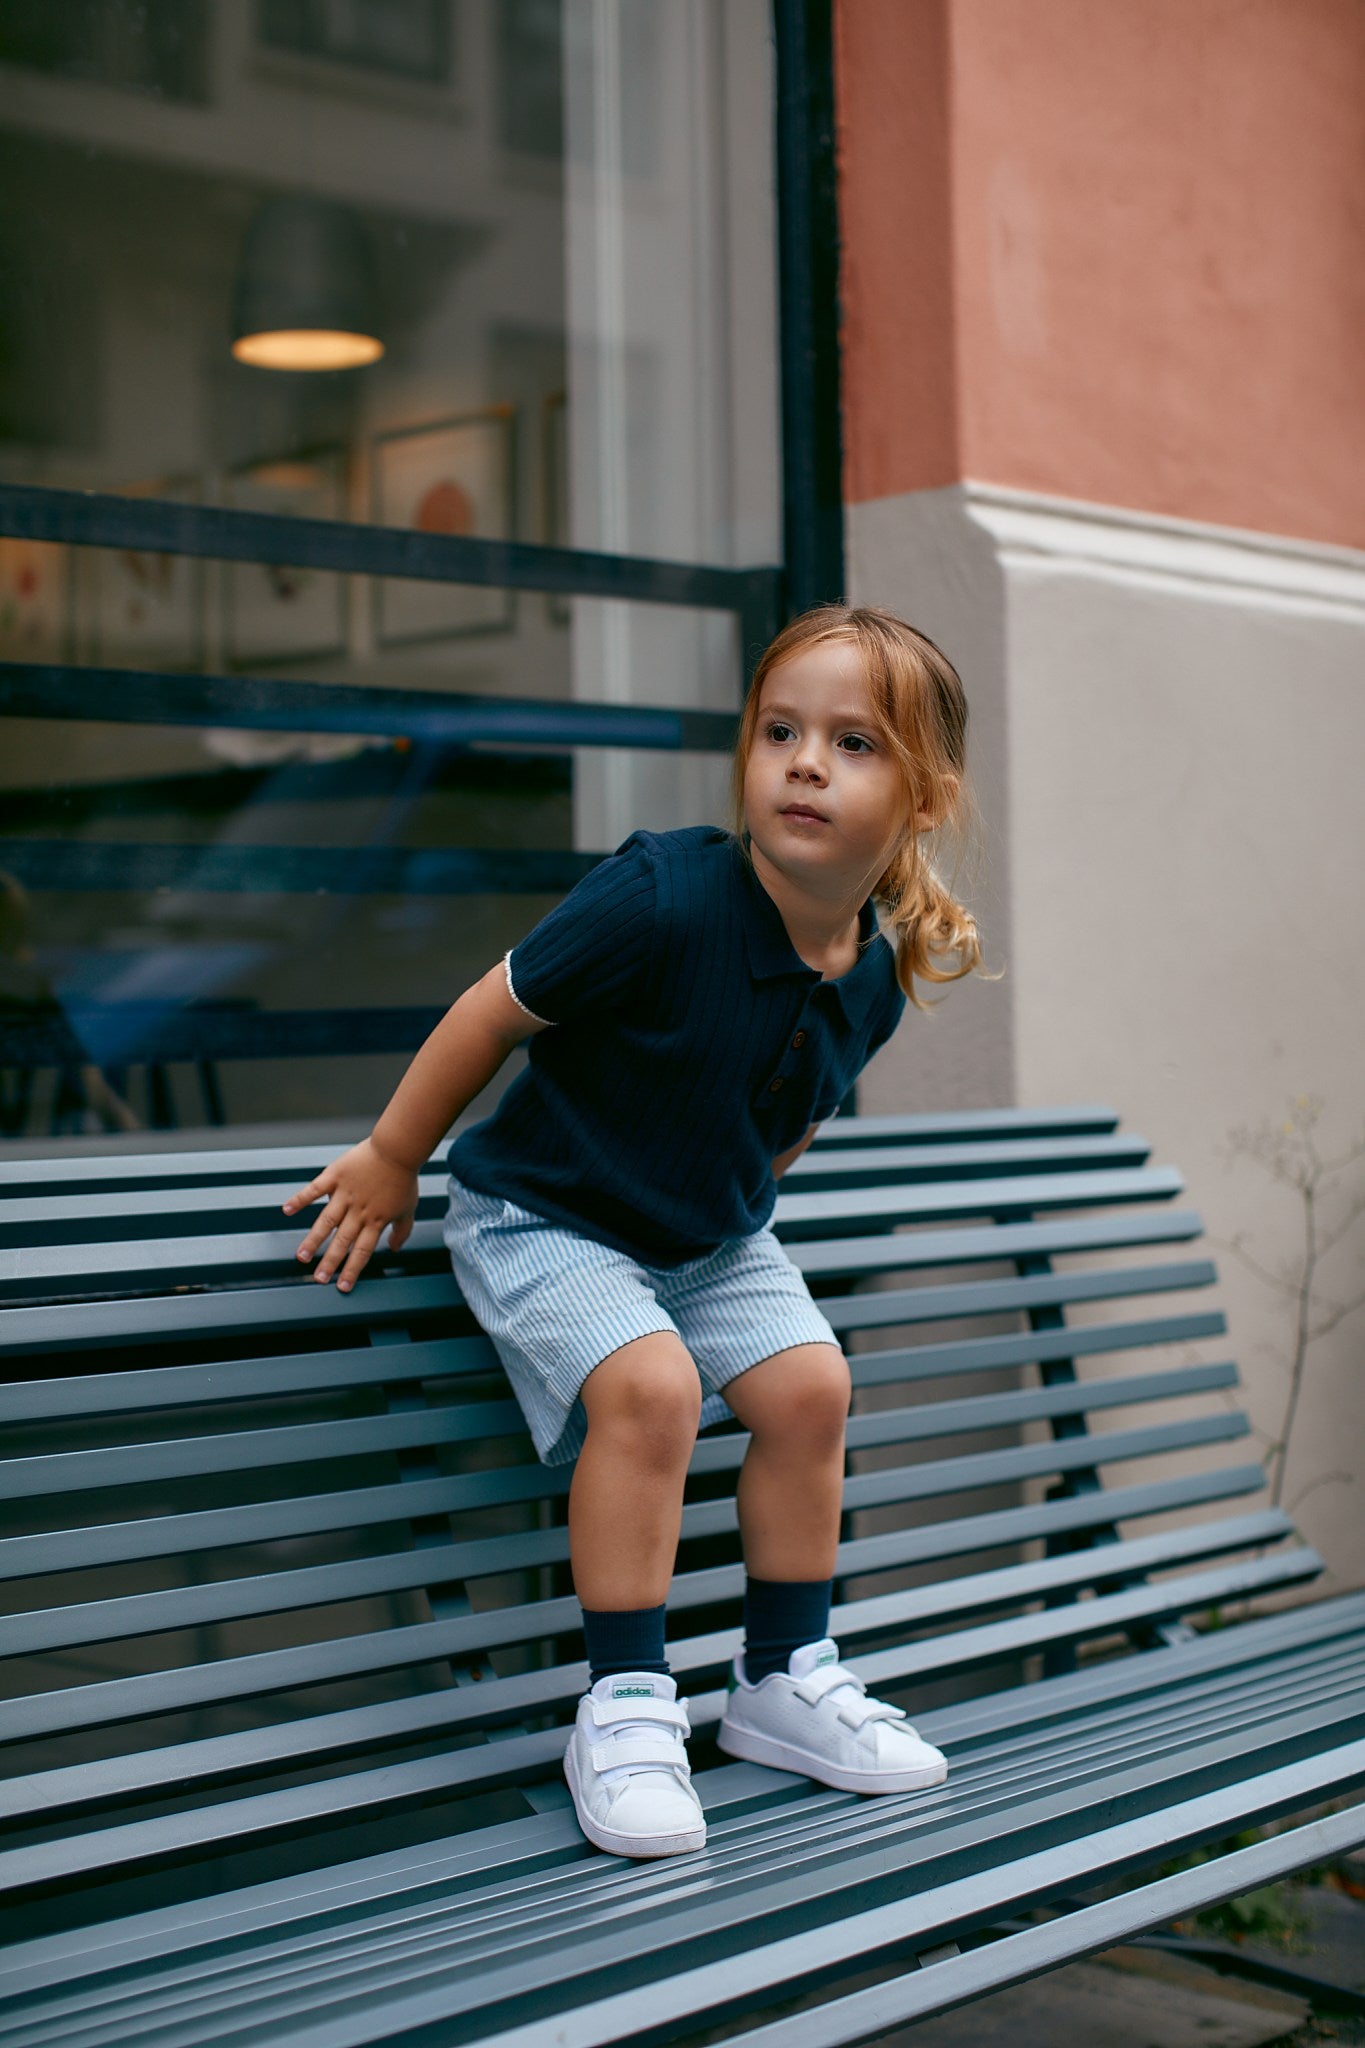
555,1304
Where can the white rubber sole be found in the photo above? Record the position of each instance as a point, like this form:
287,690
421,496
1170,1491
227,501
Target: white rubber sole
754,1748
618,1843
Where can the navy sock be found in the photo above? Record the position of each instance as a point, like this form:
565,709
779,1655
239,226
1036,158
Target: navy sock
779,1615
628,1639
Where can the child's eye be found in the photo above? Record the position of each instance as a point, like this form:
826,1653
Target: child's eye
857,736
776,731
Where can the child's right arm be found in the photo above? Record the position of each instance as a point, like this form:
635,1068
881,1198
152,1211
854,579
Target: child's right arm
375,1183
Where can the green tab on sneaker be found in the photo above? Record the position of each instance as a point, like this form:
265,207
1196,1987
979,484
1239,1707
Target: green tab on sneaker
808,1657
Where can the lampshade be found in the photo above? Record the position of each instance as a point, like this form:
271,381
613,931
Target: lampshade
305,297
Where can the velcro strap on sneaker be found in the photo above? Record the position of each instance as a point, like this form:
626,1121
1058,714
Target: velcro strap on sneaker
668,1713
856,1713
823,1679
656,1752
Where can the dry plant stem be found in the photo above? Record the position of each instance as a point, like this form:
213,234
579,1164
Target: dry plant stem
1297,1164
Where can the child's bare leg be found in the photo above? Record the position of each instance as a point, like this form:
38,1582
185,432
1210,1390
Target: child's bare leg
791,1484
625,1501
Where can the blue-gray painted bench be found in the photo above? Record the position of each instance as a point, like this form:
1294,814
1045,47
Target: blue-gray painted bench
291,1648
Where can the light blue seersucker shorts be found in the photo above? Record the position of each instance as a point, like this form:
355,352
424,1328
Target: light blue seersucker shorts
555,1304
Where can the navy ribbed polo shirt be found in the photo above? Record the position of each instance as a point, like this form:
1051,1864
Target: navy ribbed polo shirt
691,1046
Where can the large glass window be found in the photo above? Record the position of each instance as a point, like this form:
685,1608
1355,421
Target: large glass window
500,270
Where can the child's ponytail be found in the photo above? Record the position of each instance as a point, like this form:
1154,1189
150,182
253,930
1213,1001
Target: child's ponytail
922,919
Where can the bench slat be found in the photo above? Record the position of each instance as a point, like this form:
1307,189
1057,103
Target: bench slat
248,1450
152,1259
238,1379
912,1165
973,1244
164,1386
403,1646
133,1210
810,1215
1017,1957
42,1475
365,1727
1001,1297
1286,1684
128,1615
1269,1651
961,1355
313,1514
985,1776
762,1971
41,1330
392,1786
799,1829
133,1213
739,1893
99,1169
1271,1642
480,1556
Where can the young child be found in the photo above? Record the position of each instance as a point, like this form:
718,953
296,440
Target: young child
696,1006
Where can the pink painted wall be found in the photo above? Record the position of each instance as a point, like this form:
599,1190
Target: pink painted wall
1112,251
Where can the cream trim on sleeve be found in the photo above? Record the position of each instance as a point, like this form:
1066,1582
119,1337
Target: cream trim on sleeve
507,970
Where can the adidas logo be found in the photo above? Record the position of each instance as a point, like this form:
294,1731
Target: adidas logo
830,1656
632,1692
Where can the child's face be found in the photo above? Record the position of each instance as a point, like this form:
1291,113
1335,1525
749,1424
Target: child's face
817,745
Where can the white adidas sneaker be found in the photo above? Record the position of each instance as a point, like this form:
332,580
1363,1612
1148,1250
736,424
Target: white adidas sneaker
815,1718
628,1770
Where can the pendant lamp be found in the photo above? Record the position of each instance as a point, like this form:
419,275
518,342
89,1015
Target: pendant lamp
305,297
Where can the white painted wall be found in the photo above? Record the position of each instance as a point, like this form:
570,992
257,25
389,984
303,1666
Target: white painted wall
1168,726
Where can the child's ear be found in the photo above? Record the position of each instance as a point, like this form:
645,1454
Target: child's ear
926,821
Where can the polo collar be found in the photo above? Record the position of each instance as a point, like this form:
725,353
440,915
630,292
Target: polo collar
772,954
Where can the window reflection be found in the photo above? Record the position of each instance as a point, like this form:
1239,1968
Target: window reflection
551,219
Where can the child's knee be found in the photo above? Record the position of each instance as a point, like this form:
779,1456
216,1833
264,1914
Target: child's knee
821,1397
799,1397
649,1394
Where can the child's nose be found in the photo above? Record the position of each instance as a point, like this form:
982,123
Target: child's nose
808,754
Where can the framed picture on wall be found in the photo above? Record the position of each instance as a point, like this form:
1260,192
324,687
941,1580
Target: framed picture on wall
35,591
276,612
139,609
453,476
554,490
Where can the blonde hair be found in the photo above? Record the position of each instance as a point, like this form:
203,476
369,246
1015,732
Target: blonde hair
920,710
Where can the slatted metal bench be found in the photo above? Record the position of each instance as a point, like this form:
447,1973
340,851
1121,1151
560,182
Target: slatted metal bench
291,1648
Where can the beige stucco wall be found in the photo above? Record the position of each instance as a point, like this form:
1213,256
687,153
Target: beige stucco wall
1168,727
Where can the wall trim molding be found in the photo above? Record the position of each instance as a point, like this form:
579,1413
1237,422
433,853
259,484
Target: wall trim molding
1035,532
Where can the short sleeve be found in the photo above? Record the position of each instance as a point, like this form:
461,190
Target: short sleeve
893,1009
594,948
